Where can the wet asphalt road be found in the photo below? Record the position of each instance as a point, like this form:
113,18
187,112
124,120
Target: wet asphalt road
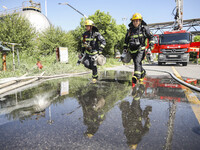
72,113
190,71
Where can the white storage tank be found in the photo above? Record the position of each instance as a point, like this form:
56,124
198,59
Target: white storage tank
32,11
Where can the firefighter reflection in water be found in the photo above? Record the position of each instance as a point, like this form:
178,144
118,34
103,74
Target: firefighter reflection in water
132,116
92,111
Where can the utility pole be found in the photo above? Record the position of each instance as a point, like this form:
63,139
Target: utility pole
170,131
46,8
124,20
13,50
5,10
74,9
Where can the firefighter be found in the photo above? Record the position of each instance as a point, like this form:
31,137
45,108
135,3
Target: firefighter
135,40
93,44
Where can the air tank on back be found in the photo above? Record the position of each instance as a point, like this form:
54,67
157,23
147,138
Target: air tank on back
32,12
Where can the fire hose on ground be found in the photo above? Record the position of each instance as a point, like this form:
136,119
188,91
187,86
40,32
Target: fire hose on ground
178,80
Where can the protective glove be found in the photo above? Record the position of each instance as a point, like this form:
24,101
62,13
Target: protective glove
148,51
80,55
151,45
149,55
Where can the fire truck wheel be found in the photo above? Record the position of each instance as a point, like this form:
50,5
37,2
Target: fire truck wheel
159,63
184,63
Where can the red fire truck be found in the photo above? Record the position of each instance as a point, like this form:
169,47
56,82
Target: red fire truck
175,46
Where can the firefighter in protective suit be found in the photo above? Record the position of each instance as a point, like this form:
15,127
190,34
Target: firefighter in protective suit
135,40
93,44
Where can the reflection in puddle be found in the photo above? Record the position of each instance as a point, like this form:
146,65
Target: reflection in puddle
133,117
92,107
24,109
165,89
77,114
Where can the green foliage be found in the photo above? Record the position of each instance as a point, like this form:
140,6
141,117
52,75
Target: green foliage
50,65
77,33
197,38
194,55
55,37
16,29
113,33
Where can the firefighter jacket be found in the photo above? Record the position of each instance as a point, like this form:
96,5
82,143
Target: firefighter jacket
93,42
136,38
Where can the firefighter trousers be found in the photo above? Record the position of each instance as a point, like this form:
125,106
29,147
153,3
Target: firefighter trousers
137,57
90,63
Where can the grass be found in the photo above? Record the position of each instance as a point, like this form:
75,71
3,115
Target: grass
49,63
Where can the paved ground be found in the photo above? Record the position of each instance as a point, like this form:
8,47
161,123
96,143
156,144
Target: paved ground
189,71
72,113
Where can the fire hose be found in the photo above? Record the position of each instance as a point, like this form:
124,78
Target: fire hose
178,80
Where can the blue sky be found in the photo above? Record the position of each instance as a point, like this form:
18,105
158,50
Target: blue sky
153,11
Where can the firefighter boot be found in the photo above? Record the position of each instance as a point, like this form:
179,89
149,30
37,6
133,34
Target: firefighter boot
134,81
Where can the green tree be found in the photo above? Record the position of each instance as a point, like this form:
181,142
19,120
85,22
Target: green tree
55,37
16,29
107,26
197,38
77,33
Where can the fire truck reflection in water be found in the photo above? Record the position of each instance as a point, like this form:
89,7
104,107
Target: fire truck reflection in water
166,89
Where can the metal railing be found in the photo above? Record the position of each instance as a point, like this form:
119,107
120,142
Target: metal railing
11,11
27,5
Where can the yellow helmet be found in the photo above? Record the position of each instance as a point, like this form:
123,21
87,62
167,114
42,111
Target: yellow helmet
136,16
89,23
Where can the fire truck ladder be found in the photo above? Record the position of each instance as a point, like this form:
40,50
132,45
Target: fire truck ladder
191,25
179,24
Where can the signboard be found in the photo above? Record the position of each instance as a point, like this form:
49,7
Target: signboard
63,53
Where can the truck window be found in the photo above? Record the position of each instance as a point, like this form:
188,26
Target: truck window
176,38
